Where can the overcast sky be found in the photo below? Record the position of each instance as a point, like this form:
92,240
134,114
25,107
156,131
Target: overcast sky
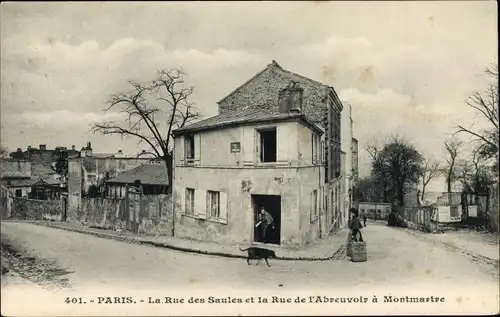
406,68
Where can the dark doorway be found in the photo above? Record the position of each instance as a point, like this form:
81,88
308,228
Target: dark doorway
272,204
268,145
19,193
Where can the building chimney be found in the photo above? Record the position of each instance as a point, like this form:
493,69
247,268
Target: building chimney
89,146
43,147
73,147
19,149
29,147
274,64
120,151
290,98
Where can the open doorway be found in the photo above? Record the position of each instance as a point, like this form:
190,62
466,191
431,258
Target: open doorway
272,204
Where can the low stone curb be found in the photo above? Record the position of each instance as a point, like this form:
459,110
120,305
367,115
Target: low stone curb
136,240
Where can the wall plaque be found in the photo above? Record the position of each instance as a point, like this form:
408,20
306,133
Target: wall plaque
235,147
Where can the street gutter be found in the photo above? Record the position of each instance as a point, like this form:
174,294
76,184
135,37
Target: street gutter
337,255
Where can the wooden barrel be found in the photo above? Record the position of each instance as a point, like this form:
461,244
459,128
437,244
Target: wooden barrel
349,247
358,251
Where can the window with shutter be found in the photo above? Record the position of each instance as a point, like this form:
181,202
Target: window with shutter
314,205
282,144
213,204
182,199
189,148
223,207
197,148
248,146
200,205
189,200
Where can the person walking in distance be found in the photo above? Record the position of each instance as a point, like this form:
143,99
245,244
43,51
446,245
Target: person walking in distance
356,228
265,221
364,220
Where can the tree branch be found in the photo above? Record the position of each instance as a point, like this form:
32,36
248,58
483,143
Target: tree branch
110,128
462,129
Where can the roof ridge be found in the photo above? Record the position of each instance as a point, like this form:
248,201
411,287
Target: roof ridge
249,80
303,77
273,65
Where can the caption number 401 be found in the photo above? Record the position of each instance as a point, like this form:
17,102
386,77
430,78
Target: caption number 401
73,300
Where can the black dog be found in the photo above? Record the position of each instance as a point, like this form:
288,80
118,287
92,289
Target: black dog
255,253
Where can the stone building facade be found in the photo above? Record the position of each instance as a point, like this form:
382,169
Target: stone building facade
226,166
346,147
320,104
43,159
355,173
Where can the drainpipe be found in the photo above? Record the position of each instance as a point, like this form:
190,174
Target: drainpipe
172,195
320,193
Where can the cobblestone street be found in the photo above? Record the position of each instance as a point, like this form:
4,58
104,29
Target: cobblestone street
397,260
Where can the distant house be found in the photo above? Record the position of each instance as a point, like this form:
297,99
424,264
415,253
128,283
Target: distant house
374,210
227,166
43,160
15,169
17,181
19,187
15,177
153,178
88,173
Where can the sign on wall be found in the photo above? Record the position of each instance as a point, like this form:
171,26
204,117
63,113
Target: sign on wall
235,147
472,210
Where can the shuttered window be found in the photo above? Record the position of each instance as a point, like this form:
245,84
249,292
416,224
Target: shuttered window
189,200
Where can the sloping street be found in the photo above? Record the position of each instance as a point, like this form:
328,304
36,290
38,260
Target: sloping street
397,260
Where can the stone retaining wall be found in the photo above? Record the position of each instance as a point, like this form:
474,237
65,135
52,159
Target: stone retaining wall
33,209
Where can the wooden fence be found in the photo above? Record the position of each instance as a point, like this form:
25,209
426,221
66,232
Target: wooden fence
145,214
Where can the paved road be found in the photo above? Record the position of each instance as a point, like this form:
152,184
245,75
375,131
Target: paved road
397,260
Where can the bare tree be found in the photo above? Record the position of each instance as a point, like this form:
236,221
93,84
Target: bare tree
429,171
482,176
164,99
464,173
375,145
486,105
452,146
3,152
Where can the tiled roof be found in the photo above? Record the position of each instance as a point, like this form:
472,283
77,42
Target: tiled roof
11,168
274,65
32,182
103,155
235,118
41,170
148,174
21,182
